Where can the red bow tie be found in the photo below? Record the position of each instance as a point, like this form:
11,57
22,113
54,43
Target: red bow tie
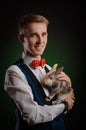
36,63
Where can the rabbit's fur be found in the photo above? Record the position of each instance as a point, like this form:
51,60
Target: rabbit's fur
57,88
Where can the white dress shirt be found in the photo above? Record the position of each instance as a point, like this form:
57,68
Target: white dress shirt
19,90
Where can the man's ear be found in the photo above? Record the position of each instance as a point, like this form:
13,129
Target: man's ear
21,38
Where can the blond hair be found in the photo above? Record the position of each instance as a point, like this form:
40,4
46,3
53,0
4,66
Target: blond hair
30,18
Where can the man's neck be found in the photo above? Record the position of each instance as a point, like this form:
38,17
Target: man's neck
30,54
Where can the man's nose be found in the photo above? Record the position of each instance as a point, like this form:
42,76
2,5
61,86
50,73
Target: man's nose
40,40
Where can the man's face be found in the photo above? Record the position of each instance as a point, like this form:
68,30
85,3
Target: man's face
35,39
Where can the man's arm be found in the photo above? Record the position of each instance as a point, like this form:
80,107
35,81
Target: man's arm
18,89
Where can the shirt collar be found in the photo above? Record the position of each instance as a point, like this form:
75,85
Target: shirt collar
28,59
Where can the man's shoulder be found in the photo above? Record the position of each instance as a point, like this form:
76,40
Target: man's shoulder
13,66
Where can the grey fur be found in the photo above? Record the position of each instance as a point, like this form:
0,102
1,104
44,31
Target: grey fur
57,87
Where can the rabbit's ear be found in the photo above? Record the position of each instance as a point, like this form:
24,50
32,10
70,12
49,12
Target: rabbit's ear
59,70
54,67
52,70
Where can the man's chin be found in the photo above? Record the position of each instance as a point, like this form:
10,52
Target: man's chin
39,53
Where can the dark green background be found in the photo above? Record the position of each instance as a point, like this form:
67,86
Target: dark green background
65,46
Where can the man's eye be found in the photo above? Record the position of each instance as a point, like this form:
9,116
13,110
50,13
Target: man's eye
32,35
44,34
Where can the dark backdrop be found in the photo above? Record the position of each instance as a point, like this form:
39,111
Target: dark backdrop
66,47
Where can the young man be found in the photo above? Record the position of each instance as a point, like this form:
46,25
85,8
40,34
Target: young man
23,80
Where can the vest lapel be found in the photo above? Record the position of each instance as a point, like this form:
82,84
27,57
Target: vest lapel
37,89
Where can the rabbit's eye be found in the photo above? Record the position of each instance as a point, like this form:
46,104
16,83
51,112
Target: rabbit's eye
51,78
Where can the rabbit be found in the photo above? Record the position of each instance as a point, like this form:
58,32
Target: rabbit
58,88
